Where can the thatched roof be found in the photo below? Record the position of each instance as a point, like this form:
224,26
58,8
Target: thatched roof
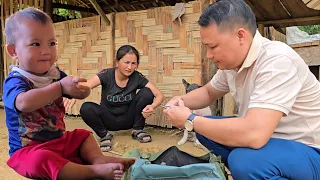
277,13
284,13
109,6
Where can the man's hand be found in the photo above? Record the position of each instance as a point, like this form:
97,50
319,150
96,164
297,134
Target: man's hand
174,101
147,111
177,114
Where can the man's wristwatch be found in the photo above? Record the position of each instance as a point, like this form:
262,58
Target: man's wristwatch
189,124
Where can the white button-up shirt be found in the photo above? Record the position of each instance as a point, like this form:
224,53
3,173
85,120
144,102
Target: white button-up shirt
274,76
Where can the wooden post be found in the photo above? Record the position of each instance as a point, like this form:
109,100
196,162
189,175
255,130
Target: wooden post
3,41
48,7
100,11
228,105
2,63
113,37
261,29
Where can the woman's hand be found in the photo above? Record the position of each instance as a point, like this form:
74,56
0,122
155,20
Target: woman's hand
147,111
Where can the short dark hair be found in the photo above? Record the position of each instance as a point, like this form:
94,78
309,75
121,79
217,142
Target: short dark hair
127,49
229,13
12,23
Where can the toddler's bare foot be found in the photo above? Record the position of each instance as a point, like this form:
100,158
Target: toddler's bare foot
109,171
126,162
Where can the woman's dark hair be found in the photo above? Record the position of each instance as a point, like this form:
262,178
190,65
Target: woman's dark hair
127,49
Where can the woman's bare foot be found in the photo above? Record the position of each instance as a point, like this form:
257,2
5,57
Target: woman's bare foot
109,171
126,162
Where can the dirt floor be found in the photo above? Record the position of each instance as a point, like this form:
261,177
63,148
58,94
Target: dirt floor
122,143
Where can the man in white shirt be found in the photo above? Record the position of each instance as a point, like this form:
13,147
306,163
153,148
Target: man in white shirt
277,133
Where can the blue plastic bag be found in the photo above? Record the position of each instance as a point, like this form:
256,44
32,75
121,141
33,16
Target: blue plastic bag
174,164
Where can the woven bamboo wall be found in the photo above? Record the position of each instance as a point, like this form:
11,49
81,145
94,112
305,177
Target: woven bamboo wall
169,52
84,48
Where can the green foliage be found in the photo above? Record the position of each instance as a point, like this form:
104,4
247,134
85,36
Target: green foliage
67,13
311,29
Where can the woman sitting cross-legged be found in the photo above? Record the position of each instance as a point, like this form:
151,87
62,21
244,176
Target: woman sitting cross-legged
121,107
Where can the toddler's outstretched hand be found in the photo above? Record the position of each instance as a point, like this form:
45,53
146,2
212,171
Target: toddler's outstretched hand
70,86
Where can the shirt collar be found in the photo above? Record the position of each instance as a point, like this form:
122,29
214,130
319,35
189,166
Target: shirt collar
253,51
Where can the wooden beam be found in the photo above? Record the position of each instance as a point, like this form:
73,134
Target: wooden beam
292,20
104,9
163,3
118,5
100,11
142,3
84,4
124,9
133,7
77,8
113,9
106,2
48,7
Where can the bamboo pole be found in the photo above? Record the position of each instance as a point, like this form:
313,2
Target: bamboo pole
3,63
4,57
100,11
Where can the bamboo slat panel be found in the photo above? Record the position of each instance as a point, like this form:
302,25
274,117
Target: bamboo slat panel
272,34
169,52
314,4
276,35
84,49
